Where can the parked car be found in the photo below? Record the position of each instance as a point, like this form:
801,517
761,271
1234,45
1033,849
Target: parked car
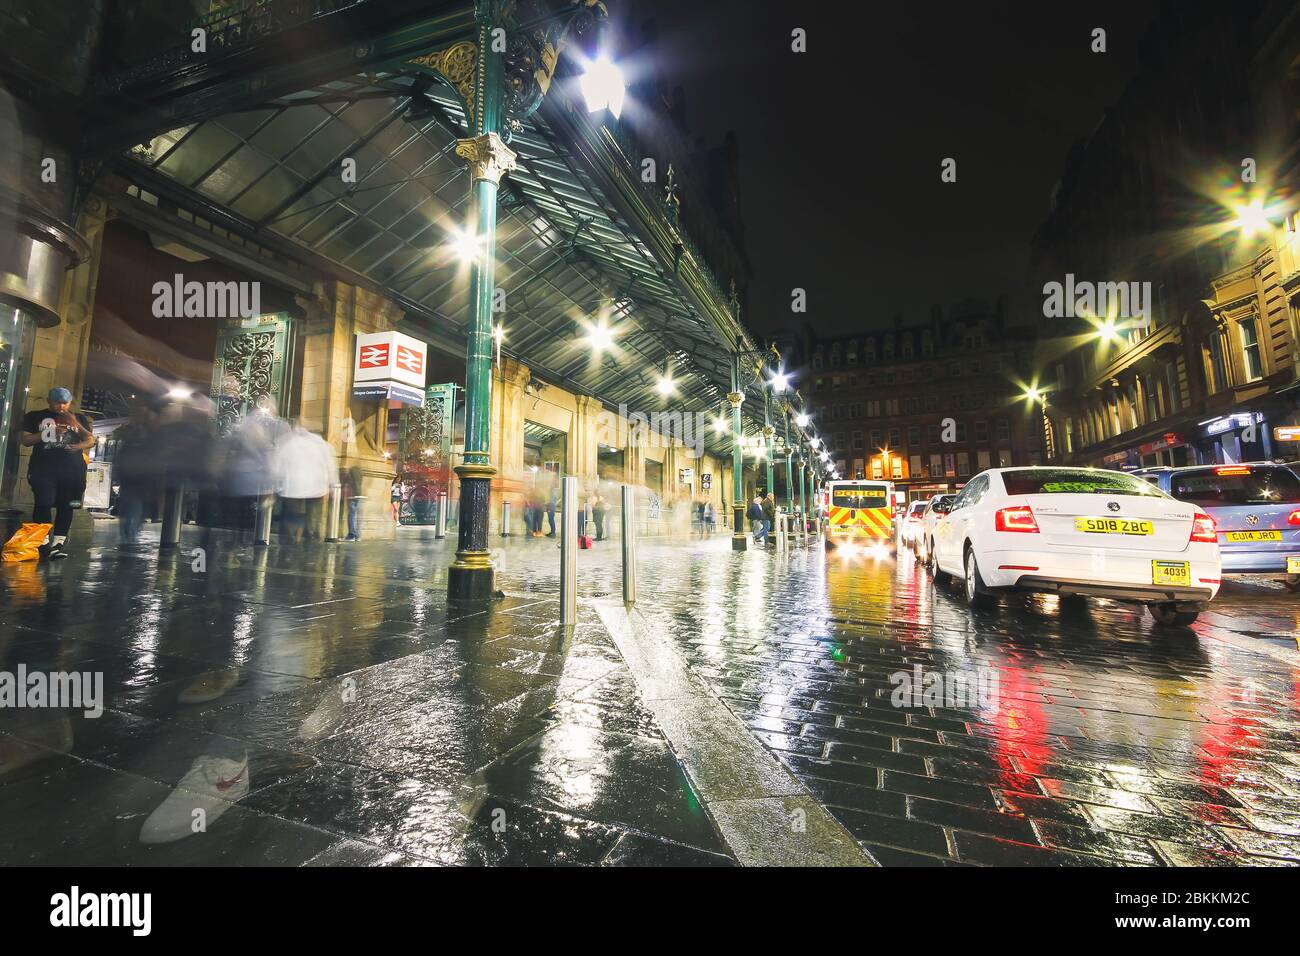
911,524
1079,532
1255,507
935,509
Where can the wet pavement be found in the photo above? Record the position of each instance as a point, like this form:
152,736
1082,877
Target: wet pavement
324,705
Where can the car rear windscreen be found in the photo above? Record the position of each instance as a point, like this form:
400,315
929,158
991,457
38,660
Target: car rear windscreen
859,498
1075,481
1237,486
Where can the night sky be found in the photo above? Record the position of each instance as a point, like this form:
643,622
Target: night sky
841,146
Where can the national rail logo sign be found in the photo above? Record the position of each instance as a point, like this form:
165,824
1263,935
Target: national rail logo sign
410,359
389,365
374,356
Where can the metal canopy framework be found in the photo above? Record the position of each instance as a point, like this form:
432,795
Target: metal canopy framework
565,252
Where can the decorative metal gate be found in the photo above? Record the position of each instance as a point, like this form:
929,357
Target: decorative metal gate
424,454
254,360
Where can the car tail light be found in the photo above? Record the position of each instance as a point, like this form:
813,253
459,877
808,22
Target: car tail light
1020,518
1232,470
1203,529
1293,518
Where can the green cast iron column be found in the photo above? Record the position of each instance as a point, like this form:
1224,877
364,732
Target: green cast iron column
789,474
768,432
470,576
803,485
739,542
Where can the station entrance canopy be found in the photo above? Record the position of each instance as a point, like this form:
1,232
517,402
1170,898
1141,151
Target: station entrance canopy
346,159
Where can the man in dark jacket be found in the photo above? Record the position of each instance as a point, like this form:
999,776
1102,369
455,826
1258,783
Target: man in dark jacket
59,440
755,514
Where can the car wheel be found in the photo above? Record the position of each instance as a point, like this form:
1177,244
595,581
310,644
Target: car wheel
1073,602
973,588
1168,615
932,565
1292,582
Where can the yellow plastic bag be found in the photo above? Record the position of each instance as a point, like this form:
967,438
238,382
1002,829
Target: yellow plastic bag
24,545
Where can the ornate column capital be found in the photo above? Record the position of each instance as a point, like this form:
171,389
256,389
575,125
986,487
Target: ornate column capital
768,432
488,157
735,398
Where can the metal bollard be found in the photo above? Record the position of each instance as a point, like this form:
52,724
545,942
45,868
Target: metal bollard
262,534
629,545
569,551
781,542
173,505
505,519
335,512
442,515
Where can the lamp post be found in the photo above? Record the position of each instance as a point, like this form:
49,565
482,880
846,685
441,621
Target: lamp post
470,576
736,397
739,542
789,452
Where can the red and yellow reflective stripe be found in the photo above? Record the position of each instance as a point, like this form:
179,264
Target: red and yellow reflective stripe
876,522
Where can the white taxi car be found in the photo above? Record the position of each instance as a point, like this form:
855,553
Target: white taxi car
1079,532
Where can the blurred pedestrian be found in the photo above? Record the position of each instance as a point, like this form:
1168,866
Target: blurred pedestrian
552,501
305,468
352,489
395,499
135,468
247,467
598,512
59,439
755,515
769,518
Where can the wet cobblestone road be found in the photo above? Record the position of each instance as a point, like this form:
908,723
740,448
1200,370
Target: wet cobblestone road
324,705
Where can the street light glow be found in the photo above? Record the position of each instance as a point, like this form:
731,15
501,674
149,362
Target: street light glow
801,420
602,87
1251,218
665,385
720,425
780,383
600,337
465,245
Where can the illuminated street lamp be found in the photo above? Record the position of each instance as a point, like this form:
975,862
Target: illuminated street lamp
801,420
600,337
465,245
1252,218
603,87
780,382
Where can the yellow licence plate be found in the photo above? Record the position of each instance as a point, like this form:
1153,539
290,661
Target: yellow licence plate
1171,572
1113,526
1253,535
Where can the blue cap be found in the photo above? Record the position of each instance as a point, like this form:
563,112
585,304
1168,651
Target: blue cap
59,394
